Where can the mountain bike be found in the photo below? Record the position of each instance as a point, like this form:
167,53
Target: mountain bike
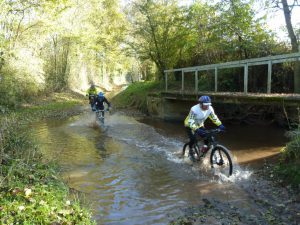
219,154
100,116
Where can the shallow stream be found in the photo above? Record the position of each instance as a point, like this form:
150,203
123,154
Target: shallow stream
131,172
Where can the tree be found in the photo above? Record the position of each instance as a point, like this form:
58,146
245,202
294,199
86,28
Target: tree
159,31
287,8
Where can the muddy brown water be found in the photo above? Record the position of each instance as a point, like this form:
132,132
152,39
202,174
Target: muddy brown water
130,170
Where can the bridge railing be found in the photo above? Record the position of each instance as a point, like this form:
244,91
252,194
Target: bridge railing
270,60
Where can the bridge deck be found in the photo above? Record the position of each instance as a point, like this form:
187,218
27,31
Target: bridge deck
237,97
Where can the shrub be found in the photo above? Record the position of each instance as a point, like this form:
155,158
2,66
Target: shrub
16,87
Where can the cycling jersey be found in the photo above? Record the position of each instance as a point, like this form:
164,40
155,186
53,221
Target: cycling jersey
99,102
91,91
197,116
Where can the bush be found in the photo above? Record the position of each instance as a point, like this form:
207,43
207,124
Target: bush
292,150
288,168
16,88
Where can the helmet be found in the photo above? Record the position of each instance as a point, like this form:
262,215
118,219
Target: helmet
205,100
100,94
93,86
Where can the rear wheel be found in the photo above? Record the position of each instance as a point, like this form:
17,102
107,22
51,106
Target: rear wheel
195,148
221,160
184,149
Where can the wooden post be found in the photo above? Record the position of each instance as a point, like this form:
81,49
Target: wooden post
216,79
182,80
269,77
246,78
196,81
166,80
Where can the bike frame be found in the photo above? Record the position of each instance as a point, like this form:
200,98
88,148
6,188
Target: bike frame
100,115
212,142
219,154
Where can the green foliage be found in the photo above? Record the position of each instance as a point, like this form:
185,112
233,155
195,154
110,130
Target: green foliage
56,106
289,167
30,191
292,150
57,64
14,143
135,95
16,87
289,173
66,44
222,37
160,32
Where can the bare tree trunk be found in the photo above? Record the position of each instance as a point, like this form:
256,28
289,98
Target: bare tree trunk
294,43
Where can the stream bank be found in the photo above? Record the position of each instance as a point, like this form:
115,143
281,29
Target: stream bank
27,178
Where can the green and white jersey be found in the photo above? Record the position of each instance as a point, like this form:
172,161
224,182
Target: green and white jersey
197,117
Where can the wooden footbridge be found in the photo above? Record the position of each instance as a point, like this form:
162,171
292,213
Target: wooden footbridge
245,64
174,103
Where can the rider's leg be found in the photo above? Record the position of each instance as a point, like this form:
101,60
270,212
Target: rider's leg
92,103
192,138
93,107
202,133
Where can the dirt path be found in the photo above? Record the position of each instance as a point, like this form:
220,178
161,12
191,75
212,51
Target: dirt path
269,204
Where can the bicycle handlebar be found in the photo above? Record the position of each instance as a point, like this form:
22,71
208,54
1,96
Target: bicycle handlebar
102,110
214,131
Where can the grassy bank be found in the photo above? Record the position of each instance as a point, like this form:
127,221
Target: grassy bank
31,191
135,96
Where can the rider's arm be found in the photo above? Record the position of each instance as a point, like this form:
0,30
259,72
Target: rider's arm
191,122
214,118
107,102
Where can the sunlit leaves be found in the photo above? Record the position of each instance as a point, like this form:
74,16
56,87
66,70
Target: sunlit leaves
159,32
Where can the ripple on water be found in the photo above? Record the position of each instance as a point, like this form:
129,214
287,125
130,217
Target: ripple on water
131,171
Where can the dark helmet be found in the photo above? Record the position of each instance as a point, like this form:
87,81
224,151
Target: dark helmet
101,94
205,100
93,86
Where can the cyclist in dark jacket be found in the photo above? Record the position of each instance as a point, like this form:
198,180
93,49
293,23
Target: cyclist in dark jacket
99,101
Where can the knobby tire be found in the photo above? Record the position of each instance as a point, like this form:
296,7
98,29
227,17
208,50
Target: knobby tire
195,149
221,153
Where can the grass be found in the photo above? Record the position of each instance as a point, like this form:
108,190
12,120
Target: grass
57,105
135,95
289,173
31,191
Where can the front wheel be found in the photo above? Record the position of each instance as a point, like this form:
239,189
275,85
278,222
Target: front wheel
100,117
221,160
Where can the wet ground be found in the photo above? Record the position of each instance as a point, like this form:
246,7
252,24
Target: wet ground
131,173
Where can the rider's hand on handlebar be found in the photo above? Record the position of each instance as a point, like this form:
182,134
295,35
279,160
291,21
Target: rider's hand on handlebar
201,132
221,127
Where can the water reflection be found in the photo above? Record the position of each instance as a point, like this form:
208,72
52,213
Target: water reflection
130,170
250,144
